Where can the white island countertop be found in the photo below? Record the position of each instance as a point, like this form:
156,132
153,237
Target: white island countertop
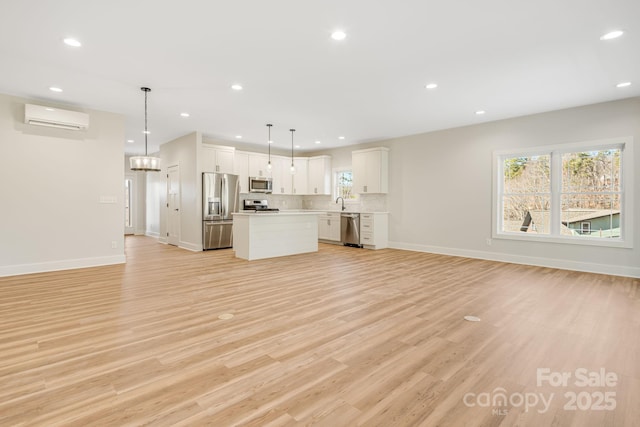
259,235
270,213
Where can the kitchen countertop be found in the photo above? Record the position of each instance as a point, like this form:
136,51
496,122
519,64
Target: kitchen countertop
272,213
360,212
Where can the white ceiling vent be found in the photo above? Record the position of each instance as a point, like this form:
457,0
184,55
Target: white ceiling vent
55,117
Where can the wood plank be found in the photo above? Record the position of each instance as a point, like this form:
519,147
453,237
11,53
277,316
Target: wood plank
340,337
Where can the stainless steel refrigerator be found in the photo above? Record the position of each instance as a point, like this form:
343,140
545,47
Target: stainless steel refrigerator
220,198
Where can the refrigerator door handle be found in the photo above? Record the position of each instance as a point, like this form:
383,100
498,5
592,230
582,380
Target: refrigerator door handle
224,191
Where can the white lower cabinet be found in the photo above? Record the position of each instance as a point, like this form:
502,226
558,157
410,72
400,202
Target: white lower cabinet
329,227
374,230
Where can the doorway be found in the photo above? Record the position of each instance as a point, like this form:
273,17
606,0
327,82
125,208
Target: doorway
173,205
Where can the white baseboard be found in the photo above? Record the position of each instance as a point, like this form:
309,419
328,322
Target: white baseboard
588,267
70,264
152,234
190,246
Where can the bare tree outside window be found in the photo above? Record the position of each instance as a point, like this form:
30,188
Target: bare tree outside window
344,185
591,192
580,190
526,198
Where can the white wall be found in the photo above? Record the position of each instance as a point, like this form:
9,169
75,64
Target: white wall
183,152
52,182
440,186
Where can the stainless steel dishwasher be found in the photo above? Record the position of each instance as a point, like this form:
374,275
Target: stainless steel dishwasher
350,229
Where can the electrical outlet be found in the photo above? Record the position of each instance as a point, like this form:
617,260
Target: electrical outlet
114,244
488,241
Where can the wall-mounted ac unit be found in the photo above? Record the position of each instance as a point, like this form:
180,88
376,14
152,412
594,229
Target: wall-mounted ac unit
55,117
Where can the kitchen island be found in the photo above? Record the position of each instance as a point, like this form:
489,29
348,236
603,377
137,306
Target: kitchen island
259,235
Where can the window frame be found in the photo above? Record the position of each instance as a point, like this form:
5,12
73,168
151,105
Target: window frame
334,186
625,144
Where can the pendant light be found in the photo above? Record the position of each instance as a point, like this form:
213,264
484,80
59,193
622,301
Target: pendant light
145,163
293,168
269,142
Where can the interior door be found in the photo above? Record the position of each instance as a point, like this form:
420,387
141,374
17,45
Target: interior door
173,205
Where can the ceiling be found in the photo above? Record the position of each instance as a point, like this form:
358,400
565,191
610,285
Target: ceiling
508,58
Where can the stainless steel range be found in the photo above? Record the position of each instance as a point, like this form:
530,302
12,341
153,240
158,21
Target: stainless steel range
258,206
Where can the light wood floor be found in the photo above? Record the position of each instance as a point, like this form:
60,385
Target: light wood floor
343,337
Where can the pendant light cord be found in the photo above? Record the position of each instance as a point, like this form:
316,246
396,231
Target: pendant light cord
292,131
269,141
146,132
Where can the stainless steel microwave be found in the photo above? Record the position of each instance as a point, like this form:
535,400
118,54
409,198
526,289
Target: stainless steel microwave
260,184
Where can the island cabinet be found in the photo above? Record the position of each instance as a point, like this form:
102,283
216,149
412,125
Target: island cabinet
374,230
300,178
217,158
268,235
241,168
319,175
370,168
329,226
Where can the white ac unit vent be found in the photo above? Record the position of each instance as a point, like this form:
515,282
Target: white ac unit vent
55,117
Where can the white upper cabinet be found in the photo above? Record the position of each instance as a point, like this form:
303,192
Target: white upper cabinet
300,177
370,169
241,168
281,174
258,165
319,175
312,176
217,158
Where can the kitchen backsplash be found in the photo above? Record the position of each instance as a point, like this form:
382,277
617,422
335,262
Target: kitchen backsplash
365,203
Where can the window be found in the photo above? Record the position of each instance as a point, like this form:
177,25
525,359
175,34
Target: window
343,184
575,193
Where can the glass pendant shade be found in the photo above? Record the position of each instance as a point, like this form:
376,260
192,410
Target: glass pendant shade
146,162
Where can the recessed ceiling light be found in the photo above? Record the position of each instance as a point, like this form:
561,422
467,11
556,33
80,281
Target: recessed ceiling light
238,136
317,142
72,42
297,146
612,35
270,142
624,84
338,35
55,89
431,86
130,141
184,114
50,109
341,137
146,132
236,87
480,112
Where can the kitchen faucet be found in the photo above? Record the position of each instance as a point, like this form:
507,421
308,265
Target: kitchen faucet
343,208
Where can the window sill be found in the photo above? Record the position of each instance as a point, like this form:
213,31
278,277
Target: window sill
584,241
